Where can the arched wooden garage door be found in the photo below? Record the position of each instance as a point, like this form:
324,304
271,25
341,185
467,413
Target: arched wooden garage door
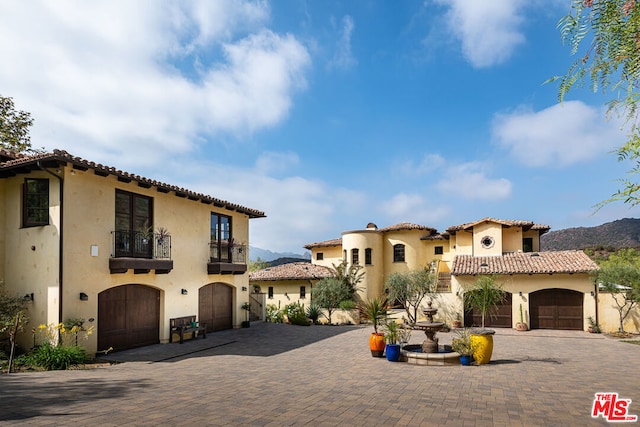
556,309
215,306
128,317
498,318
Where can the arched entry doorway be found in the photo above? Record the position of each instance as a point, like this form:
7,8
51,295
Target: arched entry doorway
215,306
128,317
556,309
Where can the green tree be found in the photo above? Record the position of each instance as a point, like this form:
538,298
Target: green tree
484,295
328,293
410,288
349,275
620,276
14,127
603,35
258,264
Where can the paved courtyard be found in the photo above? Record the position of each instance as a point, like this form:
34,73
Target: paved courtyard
277,375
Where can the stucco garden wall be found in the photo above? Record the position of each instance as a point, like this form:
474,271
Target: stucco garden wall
609,316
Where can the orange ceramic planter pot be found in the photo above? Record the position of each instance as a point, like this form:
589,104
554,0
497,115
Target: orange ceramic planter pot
377,344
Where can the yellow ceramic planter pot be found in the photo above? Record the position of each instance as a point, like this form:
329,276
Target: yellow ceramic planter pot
483,348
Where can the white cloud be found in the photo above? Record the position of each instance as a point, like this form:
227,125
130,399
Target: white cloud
470,181
404,207
428,164
299,210
488,30
342,57
272,162
147,78
560,135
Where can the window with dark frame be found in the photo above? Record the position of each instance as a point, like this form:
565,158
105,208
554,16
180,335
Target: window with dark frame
527,244
398,253
35,200
438,250
355,256
319,256
270,292
303,292
221,238
367,256
134,225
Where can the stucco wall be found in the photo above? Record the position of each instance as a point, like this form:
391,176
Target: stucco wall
31,254
609,316
331,255
491,230
371,284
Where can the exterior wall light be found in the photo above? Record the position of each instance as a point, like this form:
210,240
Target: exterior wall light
28,297
184,291
84,297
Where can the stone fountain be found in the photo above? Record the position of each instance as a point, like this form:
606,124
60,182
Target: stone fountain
430,328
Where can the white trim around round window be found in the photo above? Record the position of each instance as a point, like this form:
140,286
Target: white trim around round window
487,242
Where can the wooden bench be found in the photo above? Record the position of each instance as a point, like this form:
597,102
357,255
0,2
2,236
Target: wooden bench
181,325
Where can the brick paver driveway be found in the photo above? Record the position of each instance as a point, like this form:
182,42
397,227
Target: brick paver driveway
274,374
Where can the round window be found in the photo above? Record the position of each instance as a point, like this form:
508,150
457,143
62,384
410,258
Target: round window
487,242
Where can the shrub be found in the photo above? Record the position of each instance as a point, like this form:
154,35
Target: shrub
296,314
274,314
313,313
57,357
58,348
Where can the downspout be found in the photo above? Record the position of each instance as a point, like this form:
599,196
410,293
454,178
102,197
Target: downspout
60,241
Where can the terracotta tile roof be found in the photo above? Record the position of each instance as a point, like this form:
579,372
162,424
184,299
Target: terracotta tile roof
291,271
26,163
324,244
406,226
436,236
524,263
526,225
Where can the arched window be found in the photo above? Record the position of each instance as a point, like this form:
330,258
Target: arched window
398,253
355,256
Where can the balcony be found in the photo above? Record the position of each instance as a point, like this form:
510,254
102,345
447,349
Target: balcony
140,252
225,258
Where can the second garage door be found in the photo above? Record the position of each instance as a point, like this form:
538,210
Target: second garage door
556,309
215,306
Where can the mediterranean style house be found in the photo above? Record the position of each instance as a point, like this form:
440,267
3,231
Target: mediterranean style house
287,283
552,289
123,252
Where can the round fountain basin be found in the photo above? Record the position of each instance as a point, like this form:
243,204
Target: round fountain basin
413,355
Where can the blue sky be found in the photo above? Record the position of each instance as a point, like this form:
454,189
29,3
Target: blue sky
326,115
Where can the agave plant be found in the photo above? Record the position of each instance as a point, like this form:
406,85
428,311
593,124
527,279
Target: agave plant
374,310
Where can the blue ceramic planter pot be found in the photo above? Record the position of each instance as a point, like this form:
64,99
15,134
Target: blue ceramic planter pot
393,352
465,360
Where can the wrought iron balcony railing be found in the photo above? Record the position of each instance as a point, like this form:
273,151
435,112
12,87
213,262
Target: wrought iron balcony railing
225,258
225,252
137,244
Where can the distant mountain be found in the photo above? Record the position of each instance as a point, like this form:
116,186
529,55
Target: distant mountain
267,255
622,233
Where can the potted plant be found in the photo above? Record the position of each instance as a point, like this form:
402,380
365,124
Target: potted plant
375,311
463,345
484,295
392,338
457,324
247,307
521,325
